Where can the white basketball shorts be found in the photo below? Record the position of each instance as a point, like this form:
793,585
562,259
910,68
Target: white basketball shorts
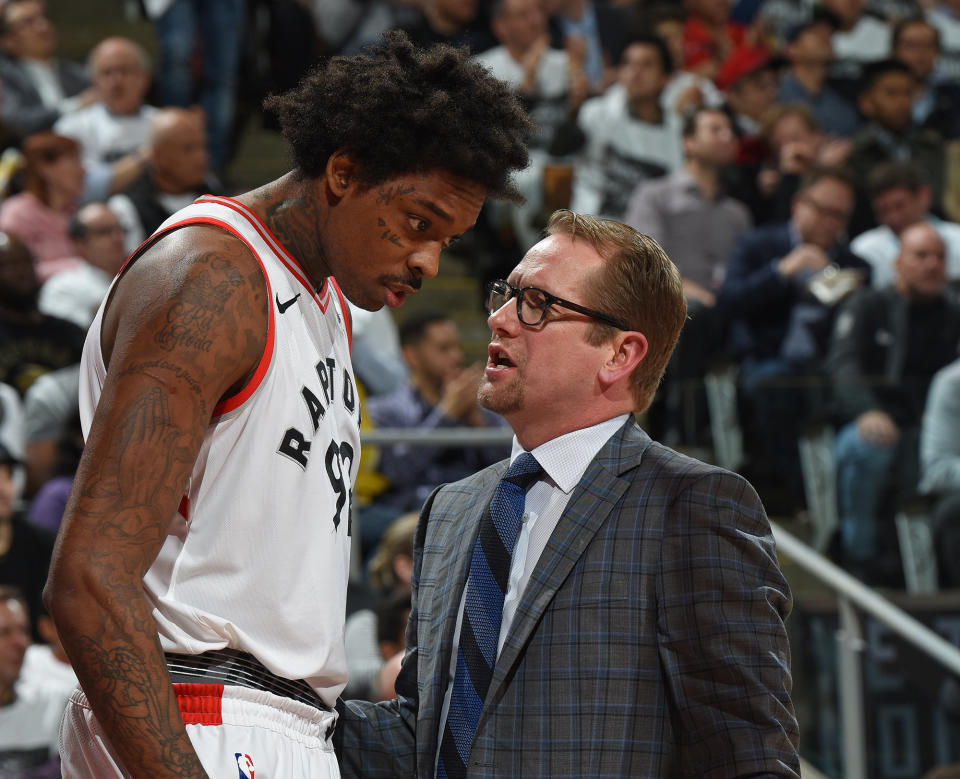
237,732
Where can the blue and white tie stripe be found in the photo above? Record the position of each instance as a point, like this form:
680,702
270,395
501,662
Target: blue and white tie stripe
483,613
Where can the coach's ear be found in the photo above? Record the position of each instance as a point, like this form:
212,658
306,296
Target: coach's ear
340,173
627,350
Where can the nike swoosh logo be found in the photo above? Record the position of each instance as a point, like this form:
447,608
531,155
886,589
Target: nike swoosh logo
282,307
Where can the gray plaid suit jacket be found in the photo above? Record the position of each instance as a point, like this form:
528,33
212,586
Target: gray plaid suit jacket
650,640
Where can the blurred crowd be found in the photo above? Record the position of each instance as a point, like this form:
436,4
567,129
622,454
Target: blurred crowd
799,161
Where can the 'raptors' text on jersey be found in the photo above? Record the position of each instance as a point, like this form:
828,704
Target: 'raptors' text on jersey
257,558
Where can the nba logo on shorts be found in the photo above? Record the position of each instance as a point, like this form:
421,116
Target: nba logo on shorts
245,764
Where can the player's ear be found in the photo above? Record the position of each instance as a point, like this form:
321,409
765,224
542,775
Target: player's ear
627,350
340,172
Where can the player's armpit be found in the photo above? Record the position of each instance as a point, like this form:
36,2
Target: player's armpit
184,328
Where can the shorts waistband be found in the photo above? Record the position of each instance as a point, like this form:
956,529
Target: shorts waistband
233,667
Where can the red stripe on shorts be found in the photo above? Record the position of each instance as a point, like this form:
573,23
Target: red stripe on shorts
199,703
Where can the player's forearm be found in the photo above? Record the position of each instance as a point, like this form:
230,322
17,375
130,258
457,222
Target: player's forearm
111,640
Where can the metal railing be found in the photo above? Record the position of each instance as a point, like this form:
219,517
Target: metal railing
851,596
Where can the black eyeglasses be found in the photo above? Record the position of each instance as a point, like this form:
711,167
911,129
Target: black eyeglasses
532,304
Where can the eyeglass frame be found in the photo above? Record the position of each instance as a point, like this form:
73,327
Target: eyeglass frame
551,300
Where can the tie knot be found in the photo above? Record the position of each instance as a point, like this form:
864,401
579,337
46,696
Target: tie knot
523,471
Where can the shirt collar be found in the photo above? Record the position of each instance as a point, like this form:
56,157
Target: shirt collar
565,458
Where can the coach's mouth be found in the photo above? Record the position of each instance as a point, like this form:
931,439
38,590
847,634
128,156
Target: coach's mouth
498,360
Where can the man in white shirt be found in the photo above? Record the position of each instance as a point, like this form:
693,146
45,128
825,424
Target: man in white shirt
113,131
28,717
625,135
901,196
550,89
75,294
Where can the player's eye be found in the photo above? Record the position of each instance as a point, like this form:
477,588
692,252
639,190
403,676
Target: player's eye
418,224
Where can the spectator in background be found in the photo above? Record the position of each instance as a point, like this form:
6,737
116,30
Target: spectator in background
859,38
375,346
779,328
113,131
13,429
901,197
936,104
50,501
887,345
890,135
389,573
709,37
541,75
945,16
749,80
441,393
940,467
686,89
46,668
456,22
29,718
810,53
75,294
40,215
24,550
31,343
50,407
593,34
218,26
38,87
624,136
178,173
795,145
551,90
697,225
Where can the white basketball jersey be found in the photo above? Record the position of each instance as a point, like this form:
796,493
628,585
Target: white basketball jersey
258,556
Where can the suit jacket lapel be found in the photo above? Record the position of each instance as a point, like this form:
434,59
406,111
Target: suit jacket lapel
590,505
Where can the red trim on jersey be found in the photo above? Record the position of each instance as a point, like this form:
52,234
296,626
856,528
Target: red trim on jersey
184,508
320,296
235,401
347,320
200,704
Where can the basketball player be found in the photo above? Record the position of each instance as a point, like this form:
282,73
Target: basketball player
200,574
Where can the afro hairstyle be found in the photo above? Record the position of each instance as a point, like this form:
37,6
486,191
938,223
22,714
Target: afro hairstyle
397,109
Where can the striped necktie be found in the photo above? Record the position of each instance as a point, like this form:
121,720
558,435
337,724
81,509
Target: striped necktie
482,614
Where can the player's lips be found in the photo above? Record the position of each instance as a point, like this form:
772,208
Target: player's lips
397,293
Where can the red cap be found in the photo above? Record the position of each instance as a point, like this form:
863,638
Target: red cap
742,61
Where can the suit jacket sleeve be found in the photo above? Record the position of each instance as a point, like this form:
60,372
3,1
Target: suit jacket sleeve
377,740
722,639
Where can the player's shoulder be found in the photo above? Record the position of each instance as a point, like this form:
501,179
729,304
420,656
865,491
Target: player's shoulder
196,254
199,275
